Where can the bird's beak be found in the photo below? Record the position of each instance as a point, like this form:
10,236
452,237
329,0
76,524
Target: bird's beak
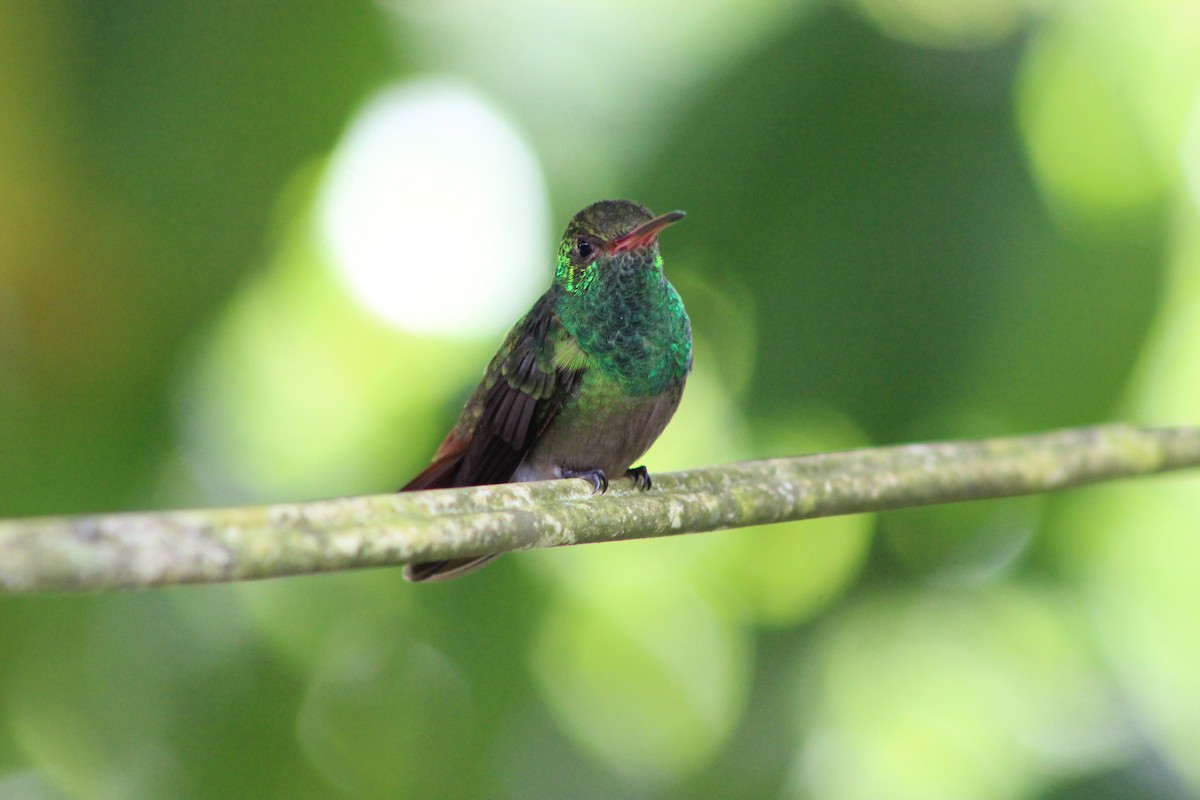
644,234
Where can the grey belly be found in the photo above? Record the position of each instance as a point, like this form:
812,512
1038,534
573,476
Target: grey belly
611,440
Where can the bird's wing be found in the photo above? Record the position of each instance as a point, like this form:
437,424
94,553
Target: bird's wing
523,389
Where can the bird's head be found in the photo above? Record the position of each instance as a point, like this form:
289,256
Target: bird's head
606,236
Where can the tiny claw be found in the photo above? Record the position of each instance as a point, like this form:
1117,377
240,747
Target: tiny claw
597,477
639,476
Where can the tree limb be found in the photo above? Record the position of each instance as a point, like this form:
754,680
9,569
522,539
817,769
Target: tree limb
111,551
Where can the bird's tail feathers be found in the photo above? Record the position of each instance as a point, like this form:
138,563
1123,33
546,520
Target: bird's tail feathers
438,475
433,571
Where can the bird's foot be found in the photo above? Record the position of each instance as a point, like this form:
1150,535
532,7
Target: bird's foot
597,477
639,476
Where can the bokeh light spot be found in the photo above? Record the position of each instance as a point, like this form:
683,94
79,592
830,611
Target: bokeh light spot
1085,143
947,23
434,213
654,693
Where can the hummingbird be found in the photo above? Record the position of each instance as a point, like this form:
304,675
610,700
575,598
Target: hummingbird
584,382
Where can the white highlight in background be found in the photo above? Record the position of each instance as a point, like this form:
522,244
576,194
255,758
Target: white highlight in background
433,211
1189,155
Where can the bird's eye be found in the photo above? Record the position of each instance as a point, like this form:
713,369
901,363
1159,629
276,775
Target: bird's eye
584,248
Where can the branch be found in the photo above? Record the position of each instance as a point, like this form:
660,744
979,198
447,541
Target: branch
112,551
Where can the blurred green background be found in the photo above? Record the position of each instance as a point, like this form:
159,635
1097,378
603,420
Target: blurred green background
253,252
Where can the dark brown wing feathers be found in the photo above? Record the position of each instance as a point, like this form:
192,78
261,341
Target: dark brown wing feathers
526,392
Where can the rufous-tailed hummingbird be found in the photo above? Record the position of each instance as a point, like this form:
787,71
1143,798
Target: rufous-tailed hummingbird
586,381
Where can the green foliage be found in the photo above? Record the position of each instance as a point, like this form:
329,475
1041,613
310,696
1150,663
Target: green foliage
906,220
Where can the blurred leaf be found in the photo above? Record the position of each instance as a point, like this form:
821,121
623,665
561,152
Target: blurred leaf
157,140
875,200
640,669
1133,548
94,721
954,694
1085,145
387,716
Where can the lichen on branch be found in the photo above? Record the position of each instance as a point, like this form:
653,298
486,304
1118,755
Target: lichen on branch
159,548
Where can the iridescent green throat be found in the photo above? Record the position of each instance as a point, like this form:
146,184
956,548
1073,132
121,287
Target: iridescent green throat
627,319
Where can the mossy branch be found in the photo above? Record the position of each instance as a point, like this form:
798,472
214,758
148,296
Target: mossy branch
112,551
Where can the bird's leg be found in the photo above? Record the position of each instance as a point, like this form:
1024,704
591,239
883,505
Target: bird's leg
597,477
639,476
